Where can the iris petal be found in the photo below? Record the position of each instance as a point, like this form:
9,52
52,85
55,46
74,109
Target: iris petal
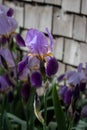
3,84
61,77
80,67
7,24
22,64
36,79
20,40
68,96
51,39
36,41
62,91
52,67
8,57
10,12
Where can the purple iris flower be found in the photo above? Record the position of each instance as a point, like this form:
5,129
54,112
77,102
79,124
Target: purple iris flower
39,51
76,77
37,43
76,83
79,75
7,24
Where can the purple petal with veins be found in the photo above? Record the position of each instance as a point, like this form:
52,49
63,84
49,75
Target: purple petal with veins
36,41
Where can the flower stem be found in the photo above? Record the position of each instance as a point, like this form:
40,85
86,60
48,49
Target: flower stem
45,111
2,113
31,109
27,119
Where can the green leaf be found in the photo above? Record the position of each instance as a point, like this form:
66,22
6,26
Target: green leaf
52,126
1,71
17,120
82,125
81,103
60,117
6,124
